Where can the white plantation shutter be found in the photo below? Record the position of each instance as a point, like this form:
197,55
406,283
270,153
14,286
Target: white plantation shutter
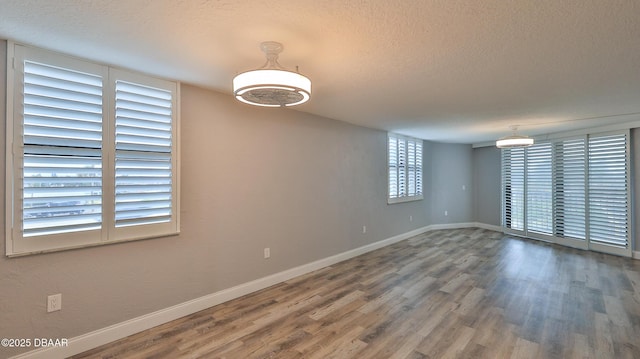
404,168
608,190
143,155
539,189
93,154
393,167
411,168
588,179
569,188
513,188
62,137
418,168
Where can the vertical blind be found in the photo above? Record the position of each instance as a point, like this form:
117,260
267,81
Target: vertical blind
575,188
62,158
405,167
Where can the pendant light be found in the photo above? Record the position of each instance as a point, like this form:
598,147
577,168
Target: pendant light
272,85
514,140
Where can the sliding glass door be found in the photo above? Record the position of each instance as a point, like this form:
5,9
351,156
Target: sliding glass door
572,191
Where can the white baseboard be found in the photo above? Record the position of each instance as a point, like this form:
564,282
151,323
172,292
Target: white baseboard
117,331
636,255
466,225
490,227
435,227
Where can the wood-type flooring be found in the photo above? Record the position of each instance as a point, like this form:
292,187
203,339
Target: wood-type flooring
463,293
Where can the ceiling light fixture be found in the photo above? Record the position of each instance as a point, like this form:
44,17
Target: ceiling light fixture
272,85
514,140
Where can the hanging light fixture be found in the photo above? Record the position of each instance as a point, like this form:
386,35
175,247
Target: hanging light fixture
514,140
272,85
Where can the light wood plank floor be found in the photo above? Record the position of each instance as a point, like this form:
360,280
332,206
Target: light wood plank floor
468,293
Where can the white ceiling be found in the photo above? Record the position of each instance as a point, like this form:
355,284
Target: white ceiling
447,70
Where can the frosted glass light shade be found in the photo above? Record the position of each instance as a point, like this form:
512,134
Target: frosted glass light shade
514,141
272,88
272,85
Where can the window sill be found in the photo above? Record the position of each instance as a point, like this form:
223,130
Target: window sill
404,199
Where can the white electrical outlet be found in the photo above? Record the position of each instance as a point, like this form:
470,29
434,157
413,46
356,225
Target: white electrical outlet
410,218
267,252
364,229
464,188
446,213
54,302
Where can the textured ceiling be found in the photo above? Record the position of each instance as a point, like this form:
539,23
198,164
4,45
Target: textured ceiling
446,70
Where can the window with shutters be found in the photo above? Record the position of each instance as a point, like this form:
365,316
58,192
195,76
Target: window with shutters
405,168
573,191
93,154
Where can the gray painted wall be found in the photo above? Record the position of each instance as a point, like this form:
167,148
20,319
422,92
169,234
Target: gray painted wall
452,169
486,185
250,178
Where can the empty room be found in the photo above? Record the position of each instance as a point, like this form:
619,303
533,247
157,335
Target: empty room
319,179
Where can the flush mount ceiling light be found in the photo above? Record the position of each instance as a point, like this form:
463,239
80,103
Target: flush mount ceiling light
272,85
514,140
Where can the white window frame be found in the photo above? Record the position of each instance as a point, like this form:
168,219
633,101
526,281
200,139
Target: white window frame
418,182
16,243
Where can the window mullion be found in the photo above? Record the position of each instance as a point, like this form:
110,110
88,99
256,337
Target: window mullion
108,149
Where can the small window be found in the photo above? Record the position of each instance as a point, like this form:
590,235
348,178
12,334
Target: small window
94,154
405,168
